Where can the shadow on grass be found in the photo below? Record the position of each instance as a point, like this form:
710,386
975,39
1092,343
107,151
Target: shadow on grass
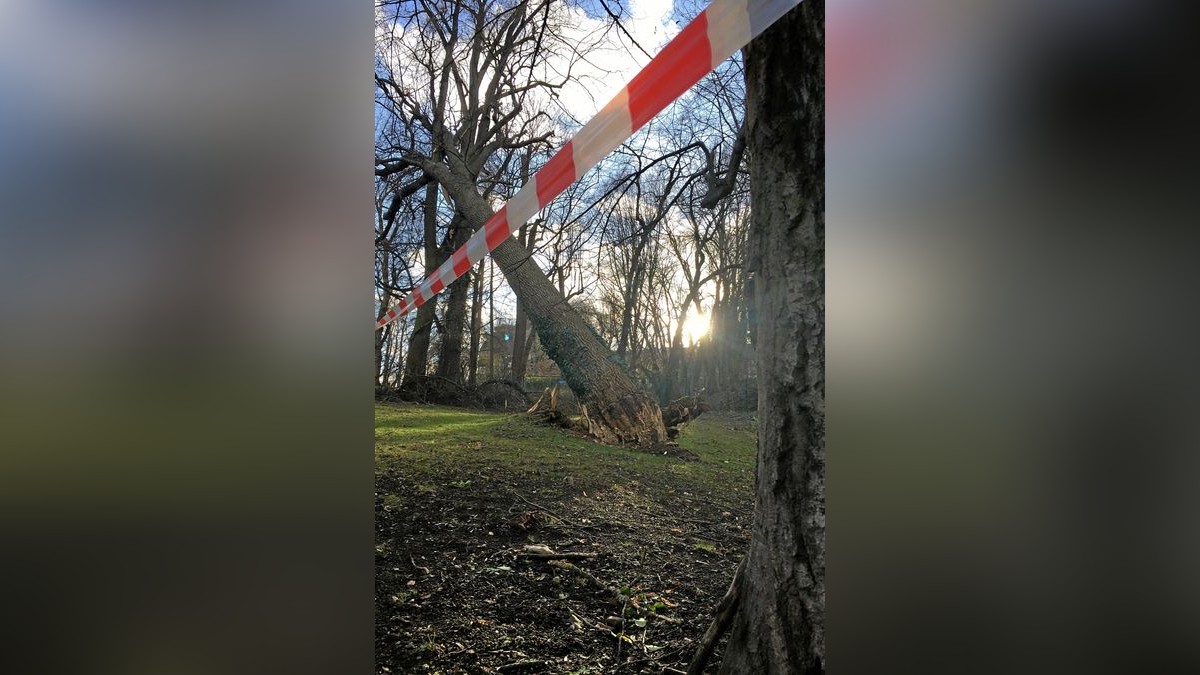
428,441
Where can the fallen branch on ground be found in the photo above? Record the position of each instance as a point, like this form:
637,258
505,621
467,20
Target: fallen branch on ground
724,617
548,512
557,556
568,567
543,552
517,665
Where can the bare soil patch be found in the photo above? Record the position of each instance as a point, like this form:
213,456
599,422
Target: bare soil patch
461,587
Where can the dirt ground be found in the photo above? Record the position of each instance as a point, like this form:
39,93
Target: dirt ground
457,592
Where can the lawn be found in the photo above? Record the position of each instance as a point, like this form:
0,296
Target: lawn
461,493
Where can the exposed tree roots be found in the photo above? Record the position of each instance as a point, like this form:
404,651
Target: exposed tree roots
679,411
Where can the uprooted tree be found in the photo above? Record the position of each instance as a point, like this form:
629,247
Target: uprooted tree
615,408
460,87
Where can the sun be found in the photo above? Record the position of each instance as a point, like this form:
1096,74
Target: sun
695,326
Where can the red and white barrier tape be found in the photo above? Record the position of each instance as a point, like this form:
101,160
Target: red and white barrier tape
724,27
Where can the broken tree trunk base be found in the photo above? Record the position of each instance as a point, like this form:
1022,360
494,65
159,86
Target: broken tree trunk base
545,410
683,410
634,419
618,411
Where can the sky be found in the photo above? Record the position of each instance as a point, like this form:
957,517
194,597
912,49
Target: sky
651,24
609,64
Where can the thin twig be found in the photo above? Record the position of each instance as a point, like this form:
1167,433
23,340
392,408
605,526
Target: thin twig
564,521
557,556
721,622
528,663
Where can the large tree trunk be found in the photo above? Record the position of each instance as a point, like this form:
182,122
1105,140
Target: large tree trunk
417,358
780,623
617,410
450,359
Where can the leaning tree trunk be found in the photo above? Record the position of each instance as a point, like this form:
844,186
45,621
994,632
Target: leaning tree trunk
617,410
780,624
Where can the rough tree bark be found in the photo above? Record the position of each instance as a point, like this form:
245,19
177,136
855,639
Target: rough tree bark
499,46
780,623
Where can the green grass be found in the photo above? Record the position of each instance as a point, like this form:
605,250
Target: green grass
433,443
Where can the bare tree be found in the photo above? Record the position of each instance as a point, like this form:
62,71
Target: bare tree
460,99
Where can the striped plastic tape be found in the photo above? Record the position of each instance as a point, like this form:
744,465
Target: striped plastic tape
724,27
